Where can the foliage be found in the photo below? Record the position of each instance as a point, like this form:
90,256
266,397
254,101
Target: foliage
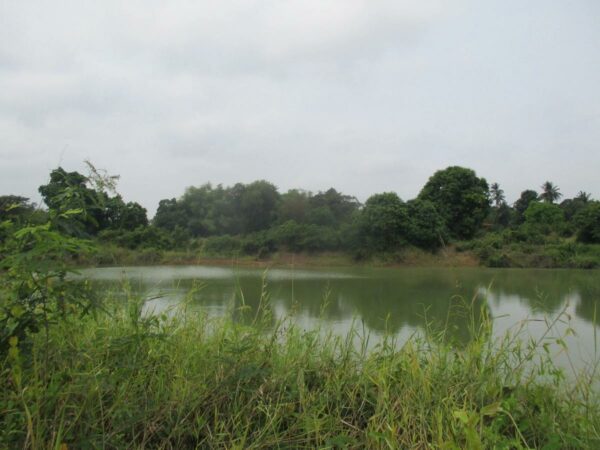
497,195
304,237
68,191
523,203
294,205
587,223
138,238
572,206
341,207
550,192
460,197
15,208
426,227
544,218
89,195
255,220
222,245
126,216
384,223
35,290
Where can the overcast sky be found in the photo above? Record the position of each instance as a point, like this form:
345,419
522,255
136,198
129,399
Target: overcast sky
365,96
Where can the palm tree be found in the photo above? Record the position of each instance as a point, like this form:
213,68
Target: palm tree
583,196
497,194
550,193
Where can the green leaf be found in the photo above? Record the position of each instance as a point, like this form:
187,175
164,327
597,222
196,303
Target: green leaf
461,415
491,409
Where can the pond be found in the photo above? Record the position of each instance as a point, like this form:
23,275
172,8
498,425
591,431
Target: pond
397,301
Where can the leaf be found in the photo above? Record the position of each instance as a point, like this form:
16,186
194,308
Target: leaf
461,415
491,410
17,311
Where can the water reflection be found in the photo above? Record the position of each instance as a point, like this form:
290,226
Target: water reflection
385,300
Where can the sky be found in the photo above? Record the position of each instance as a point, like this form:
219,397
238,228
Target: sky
365,96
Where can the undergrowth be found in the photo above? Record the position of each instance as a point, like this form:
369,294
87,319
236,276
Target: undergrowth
123,378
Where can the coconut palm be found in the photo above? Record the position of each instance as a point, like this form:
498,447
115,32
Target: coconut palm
583,196
550,192
497,194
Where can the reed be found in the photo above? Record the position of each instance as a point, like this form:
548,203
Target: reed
124,378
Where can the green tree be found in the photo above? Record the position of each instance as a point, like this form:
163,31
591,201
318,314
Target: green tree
257,204
121,215
294,205
384,223
544,218
17,209
460,197
523,203
587,223
68,191
497,195
342,206
169,215
426,226
550,192
583,196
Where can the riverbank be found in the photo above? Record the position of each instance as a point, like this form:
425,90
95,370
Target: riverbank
411,257
125,380
563,254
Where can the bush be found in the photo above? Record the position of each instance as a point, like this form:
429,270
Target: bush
300,237
544,218
141,237
222,245
587,224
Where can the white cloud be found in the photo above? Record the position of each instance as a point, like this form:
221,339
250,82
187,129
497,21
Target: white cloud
365,96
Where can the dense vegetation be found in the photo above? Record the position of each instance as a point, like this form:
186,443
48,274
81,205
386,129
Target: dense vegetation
455,207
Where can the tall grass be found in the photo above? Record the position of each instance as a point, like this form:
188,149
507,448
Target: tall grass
126,379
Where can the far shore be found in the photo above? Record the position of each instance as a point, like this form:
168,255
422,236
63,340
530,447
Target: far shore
410,258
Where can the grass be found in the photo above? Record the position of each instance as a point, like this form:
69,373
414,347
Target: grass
123,379
110,255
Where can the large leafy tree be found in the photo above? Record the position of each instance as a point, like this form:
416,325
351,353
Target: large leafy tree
550,192
341,207
169,215
523,203
461,198
384,224
426,226
126,216
69,191
544,218
257,204
294,205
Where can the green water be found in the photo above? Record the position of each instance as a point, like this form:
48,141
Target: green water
378,301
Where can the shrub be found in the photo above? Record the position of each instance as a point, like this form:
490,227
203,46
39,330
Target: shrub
222,245
587,223
544,218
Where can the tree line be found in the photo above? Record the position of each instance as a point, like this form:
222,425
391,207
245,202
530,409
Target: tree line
256,219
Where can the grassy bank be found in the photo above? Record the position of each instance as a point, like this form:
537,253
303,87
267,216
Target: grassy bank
487,252
122,380
500,250
108,255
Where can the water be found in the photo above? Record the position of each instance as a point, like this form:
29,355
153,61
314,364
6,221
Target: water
397,301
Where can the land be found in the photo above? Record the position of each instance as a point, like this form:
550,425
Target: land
561,254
